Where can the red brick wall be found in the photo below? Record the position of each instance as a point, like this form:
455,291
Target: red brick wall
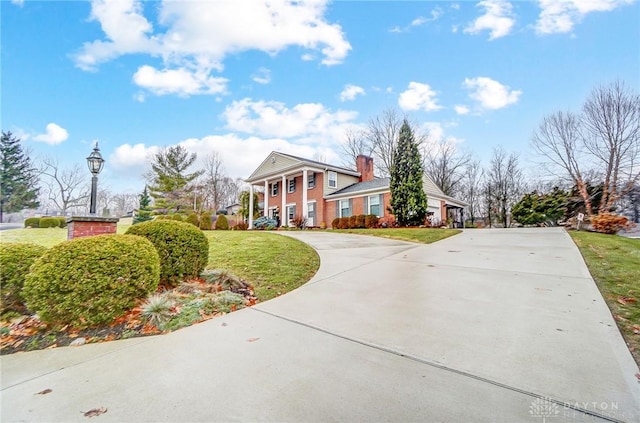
296,197
364,165
82,229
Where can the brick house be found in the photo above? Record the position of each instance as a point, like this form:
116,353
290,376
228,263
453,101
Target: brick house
295,186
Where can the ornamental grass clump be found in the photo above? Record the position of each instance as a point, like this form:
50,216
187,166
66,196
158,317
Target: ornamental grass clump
91,281
183,248
157,309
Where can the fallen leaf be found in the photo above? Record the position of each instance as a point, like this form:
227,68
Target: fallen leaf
45,392
638,377
252,339
94,412
626,300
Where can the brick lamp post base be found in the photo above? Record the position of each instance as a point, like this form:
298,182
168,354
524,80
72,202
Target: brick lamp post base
80,226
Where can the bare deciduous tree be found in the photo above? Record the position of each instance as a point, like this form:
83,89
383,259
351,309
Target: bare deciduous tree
356,143
604,140
66,188
503,185
471,187
382,137
446,165
214,181
611,130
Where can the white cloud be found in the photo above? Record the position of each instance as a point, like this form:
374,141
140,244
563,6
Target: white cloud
55,135
418,96
490,94
262,76
240,156
181,81
435,14
560,16
461,109
307,122
18,2
200,35
498,19
350,92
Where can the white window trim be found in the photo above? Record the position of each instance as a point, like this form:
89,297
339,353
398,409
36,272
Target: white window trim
348,207
377,197
291,189
329,179
311,180
273,188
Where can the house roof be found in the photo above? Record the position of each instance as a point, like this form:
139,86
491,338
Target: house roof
373,184
292,163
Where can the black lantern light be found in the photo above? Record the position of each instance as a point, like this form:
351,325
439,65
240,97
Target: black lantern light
95,163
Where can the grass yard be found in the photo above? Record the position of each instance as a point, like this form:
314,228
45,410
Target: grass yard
614,263
422,235
272,263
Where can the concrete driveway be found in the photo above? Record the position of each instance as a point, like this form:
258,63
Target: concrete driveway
489,326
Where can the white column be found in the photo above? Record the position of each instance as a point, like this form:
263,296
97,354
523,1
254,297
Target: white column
305,208
284,218
250,206
266,198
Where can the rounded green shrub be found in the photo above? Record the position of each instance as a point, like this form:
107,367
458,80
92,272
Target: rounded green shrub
205,221
49,222
32,222
62,221
183,248
193,219
222,223
90,281
15,261
177,217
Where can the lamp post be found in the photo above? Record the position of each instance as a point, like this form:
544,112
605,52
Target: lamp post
95,163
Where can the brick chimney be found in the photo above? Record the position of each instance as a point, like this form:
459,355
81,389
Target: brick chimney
364,165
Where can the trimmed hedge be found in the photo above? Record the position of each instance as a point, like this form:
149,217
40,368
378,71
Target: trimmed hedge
62,221
183,248
222,224
15,261
91,281
49,222
33,222
193,219
205,221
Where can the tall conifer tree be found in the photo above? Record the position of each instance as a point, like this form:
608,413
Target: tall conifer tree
18,179
408,199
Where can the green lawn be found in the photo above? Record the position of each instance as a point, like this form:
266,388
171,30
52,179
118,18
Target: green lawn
614,263
422,235
272,263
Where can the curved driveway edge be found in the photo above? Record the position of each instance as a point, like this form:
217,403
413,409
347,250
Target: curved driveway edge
489,325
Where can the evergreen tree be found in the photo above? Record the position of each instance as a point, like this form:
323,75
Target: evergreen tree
144,211
408,199
18,179
169,180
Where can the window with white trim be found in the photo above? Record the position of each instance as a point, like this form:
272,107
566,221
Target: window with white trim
374,205
345,208
333,179
291,212
311,180
274,189
292,185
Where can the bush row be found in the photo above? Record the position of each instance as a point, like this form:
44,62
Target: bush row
92,280
360,221
46,222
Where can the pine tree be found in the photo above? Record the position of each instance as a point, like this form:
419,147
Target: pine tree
408,199
144,211
169,180
18,179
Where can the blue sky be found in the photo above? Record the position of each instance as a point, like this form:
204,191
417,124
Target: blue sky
244,78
